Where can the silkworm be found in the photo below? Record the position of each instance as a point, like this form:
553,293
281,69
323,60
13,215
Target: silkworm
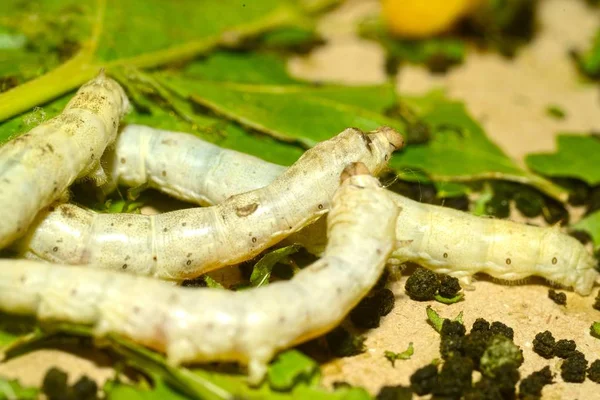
248,326
461,244
442,239
37,167
186,243
184,166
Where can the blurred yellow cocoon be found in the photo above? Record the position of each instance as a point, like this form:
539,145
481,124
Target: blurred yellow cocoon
422,18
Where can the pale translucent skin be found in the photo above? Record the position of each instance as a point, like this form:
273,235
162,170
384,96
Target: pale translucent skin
36,168
187,243
248,326
184,166
461,244
425,232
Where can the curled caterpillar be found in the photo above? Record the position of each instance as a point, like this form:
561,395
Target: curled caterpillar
37,167
249,326
442,239
186,243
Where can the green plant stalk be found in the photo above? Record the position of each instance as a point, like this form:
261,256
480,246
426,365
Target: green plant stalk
545,186
60,80
83,67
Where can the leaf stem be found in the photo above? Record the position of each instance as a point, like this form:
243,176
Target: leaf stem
60,80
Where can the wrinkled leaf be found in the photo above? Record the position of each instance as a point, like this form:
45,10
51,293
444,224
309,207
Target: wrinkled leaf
571,160
279,107
263,268
591,225
451,300
404,355
291,113
241,67
459,150
436,321
142,33
292,367
211,283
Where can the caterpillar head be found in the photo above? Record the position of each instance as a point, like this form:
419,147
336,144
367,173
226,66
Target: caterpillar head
568,262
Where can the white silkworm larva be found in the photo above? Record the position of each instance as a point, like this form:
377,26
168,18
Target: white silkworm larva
442,239
184,166
186,243
461,244
248,326
37,167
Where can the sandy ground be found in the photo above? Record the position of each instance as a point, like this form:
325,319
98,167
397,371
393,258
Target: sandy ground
509,98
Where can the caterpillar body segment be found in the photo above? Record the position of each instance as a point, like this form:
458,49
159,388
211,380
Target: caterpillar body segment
186,243
184,166
460,244
37,167
247,326
442,239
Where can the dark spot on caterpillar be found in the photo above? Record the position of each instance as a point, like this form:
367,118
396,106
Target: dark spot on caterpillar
554,260
281,319
378,251
386,157
189,255
50,148
124,266
188,262
393,145
51,208
210,326
184,224
112,224
55,249
127,258
446,255
22,278
246,210
73,292
508,261
154,258
367,141
6,180
67,212
123,160
92,157
320,207
129,225
59,240
164,173
165,229
338,290
254,240
136,309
